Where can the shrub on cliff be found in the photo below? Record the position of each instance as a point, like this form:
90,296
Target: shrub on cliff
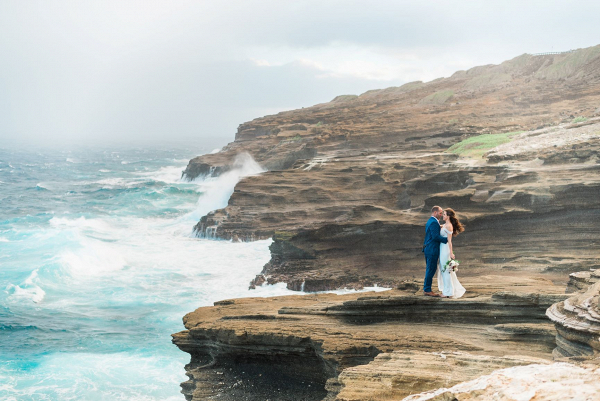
477,146
579,119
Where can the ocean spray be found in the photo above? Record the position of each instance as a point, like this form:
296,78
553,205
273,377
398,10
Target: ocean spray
99,265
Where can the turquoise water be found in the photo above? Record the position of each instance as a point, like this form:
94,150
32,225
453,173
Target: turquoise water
98,265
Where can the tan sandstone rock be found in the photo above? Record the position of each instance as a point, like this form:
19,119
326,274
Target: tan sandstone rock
349,186
282,345
558,381
346,196
393,376
577,321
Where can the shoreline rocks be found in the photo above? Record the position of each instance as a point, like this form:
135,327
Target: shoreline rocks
313,339
577,322
349,186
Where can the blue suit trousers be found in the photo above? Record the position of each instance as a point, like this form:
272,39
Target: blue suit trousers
432,264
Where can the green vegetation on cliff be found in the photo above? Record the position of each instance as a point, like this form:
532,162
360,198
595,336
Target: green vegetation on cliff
579,119
477,146
283,235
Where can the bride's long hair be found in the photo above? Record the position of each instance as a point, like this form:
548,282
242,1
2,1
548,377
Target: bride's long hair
457,226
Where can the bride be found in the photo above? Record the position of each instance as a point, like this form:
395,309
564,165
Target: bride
448,283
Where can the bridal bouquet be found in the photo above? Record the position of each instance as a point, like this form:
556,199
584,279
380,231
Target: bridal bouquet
452,265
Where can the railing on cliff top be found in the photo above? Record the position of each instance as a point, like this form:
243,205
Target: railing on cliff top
551,53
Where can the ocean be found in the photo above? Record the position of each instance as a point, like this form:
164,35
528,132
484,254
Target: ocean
98,265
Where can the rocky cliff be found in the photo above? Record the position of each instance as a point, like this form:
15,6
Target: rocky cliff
577,322
397,345
303,347
350,182
513,148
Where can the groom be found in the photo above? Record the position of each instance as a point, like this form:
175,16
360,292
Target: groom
431,248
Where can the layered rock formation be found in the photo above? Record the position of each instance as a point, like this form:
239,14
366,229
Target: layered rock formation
294,348
513,148
522,93
577,321
393,376
351,182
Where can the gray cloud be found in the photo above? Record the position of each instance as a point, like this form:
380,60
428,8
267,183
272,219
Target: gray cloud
213,98
410,24
82,71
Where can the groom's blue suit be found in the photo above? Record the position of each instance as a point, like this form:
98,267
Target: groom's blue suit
431,248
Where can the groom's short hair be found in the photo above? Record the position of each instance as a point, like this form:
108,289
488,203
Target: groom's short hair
435,209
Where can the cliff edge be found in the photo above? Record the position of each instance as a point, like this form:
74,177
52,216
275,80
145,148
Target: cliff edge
513,148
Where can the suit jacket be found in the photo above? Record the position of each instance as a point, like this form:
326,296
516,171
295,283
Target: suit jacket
431,245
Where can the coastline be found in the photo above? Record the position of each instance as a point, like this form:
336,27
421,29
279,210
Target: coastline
347,189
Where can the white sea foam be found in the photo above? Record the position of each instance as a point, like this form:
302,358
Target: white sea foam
122,376
28,289
168,174
4,239
216,191
343,291
271,290
97,225
95,258
217,150
121,273
35,293
113,182
116,183
103,170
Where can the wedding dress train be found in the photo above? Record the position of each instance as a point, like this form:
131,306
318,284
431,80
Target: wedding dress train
448,283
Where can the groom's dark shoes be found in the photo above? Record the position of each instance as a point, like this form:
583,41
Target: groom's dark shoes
431,294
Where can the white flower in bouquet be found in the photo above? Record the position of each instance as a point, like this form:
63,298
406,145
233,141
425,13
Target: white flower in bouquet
452,264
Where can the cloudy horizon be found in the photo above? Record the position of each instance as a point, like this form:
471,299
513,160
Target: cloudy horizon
140,71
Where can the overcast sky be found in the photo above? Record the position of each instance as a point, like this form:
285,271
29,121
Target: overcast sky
85,71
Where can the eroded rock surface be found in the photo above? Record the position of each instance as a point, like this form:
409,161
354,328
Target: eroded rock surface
581,281
349,186
311,339
520,94
393,376
558,381
351,182
577,322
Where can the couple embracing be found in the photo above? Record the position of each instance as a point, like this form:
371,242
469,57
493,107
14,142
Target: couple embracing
439,255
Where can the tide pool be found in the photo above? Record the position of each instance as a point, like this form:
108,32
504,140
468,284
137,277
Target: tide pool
98,264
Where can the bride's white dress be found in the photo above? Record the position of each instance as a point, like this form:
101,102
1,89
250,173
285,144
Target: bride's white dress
448,283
